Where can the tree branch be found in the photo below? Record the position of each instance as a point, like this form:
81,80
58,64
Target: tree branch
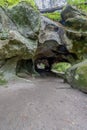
50,10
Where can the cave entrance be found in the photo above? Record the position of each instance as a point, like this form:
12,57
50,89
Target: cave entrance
24,66
42,65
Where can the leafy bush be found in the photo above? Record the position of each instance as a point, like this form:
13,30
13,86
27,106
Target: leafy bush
74,2
81,4
53,16
61,67
8,3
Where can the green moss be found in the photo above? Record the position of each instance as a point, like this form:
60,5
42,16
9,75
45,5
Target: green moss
2,80
80,48
32,3
54,16
80,79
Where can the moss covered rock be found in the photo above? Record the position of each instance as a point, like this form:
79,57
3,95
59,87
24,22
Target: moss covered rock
76,29
19,28
77,76
26,18
24,38
51,36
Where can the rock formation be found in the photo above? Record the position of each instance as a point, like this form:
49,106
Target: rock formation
77,76
27,38
75,22
19,28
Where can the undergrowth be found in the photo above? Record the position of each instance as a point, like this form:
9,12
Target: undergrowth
53,16
61,67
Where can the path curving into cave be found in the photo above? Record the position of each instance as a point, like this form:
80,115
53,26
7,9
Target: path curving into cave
42,104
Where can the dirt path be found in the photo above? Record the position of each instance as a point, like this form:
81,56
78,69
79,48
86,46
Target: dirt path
42,104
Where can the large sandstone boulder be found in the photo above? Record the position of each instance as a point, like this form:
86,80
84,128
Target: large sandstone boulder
75,22
71,12
26,18
19,28
15,45
51,36
77,76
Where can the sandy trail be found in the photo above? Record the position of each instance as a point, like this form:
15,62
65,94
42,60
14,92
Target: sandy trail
42,104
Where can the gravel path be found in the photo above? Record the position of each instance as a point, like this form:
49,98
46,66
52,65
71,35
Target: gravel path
42,104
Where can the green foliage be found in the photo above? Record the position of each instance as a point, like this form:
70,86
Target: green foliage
53,16
8,3
74,2
31,2
80,4
61,67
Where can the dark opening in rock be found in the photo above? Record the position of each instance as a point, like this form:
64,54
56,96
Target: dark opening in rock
61,54
24,66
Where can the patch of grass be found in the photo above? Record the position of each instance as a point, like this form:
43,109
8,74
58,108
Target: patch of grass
53,16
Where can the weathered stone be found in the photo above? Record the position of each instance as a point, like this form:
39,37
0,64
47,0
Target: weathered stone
8,70
26,19
51,36
6,24
77,76
76,29
19,28
73,22
17,45
23,41
71,12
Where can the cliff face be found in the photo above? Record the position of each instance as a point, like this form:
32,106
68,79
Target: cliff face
49,3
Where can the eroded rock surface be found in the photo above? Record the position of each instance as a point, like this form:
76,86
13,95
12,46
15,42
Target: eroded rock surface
53,44
75,22
19,28
28,39
77,76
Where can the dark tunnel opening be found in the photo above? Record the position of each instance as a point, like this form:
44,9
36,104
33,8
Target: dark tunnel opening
44,63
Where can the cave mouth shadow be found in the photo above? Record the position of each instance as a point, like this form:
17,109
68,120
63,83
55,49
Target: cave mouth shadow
24,66
45,68
29,68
